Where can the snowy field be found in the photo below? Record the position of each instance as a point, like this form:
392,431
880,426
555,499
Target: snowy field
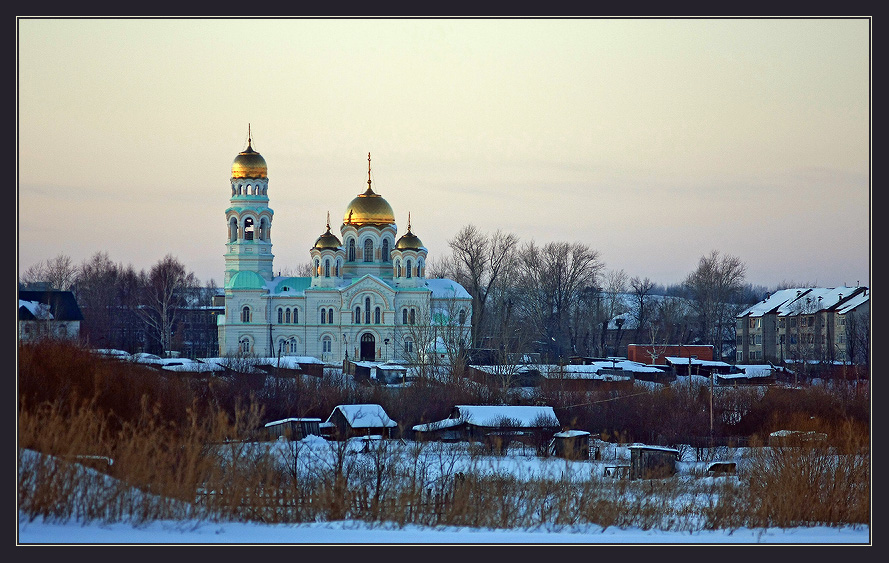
315,453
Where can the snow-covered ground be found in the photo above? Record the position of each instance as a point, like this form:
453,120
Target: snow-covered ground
350,532
200,531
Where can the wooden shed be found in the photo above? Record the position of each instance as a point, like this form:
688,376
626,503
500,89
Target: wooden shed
360,420
572,444
293,428
652,462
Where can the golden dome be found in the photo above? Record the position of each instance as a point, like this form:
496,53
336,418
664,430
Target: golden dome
249,163
409,241
328,239
369,208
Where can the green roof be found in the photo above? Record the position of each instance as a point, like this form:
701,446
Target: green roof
246,280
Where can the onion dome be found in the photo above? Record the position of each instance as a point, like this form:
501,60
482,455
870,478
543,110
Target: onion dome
409,241
328,239
249,163
369,208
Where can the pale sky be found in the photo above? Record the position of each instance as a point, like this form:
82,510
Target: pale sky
654,141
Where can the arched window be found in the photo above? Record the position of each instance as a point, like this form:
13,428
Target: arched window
413,316
358,315
287,316
407,269
326,345
377,315
293,345
408,346
462,316
385,250
404,316
327,268
233,230
420,267
337,272
330,316
351,250
244,346
398,268
367,310
368,250
248,228
245,314
317,268
280,315
323,316
295,315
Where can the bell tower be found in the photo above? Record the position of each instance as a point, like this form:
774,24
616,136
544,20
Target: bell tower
249,217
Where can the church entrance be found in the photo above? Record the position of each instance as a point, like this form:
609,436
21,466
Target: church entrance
368,347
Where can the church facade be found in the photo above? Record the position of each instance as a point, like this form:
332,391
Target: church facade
368,297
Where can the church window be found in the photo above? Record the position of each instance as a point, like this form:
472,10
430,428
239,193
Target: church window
244,345
462,316
323,316
233,230
404,316
407,269
245,314
292,345
398,268
408,346
330,316
385,250
377,315
317,268
280,315
327,268
367,310
337,271
413,316
326,344
368,250
287,316
351,250
248,228
358,315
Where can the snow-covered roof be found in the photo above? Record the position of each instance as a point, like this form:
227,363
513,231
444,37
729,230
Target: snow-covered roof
570,434
364,416
799,299
440,425
593,370
661,448
752,371
283,420
526,416
192,367
443,288
37,309
678,360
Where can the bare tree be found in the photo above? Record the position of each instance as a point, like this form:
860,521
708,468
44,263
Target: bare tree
641,291
58,273
164,292
552,278
612,303
714,287
479,262
96,290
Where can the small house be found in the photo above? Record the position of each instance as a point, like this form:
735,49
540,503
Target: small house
48,314
293,428
349,421
495,425
652,462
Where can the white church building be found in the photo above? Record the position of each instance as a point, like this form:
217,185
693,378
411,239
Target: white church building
368,298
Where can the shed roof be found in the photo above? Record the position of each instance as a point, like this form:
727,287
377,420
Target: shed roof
364,416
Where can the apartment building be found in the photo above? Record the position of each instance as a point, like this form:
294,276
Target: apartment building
808,325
